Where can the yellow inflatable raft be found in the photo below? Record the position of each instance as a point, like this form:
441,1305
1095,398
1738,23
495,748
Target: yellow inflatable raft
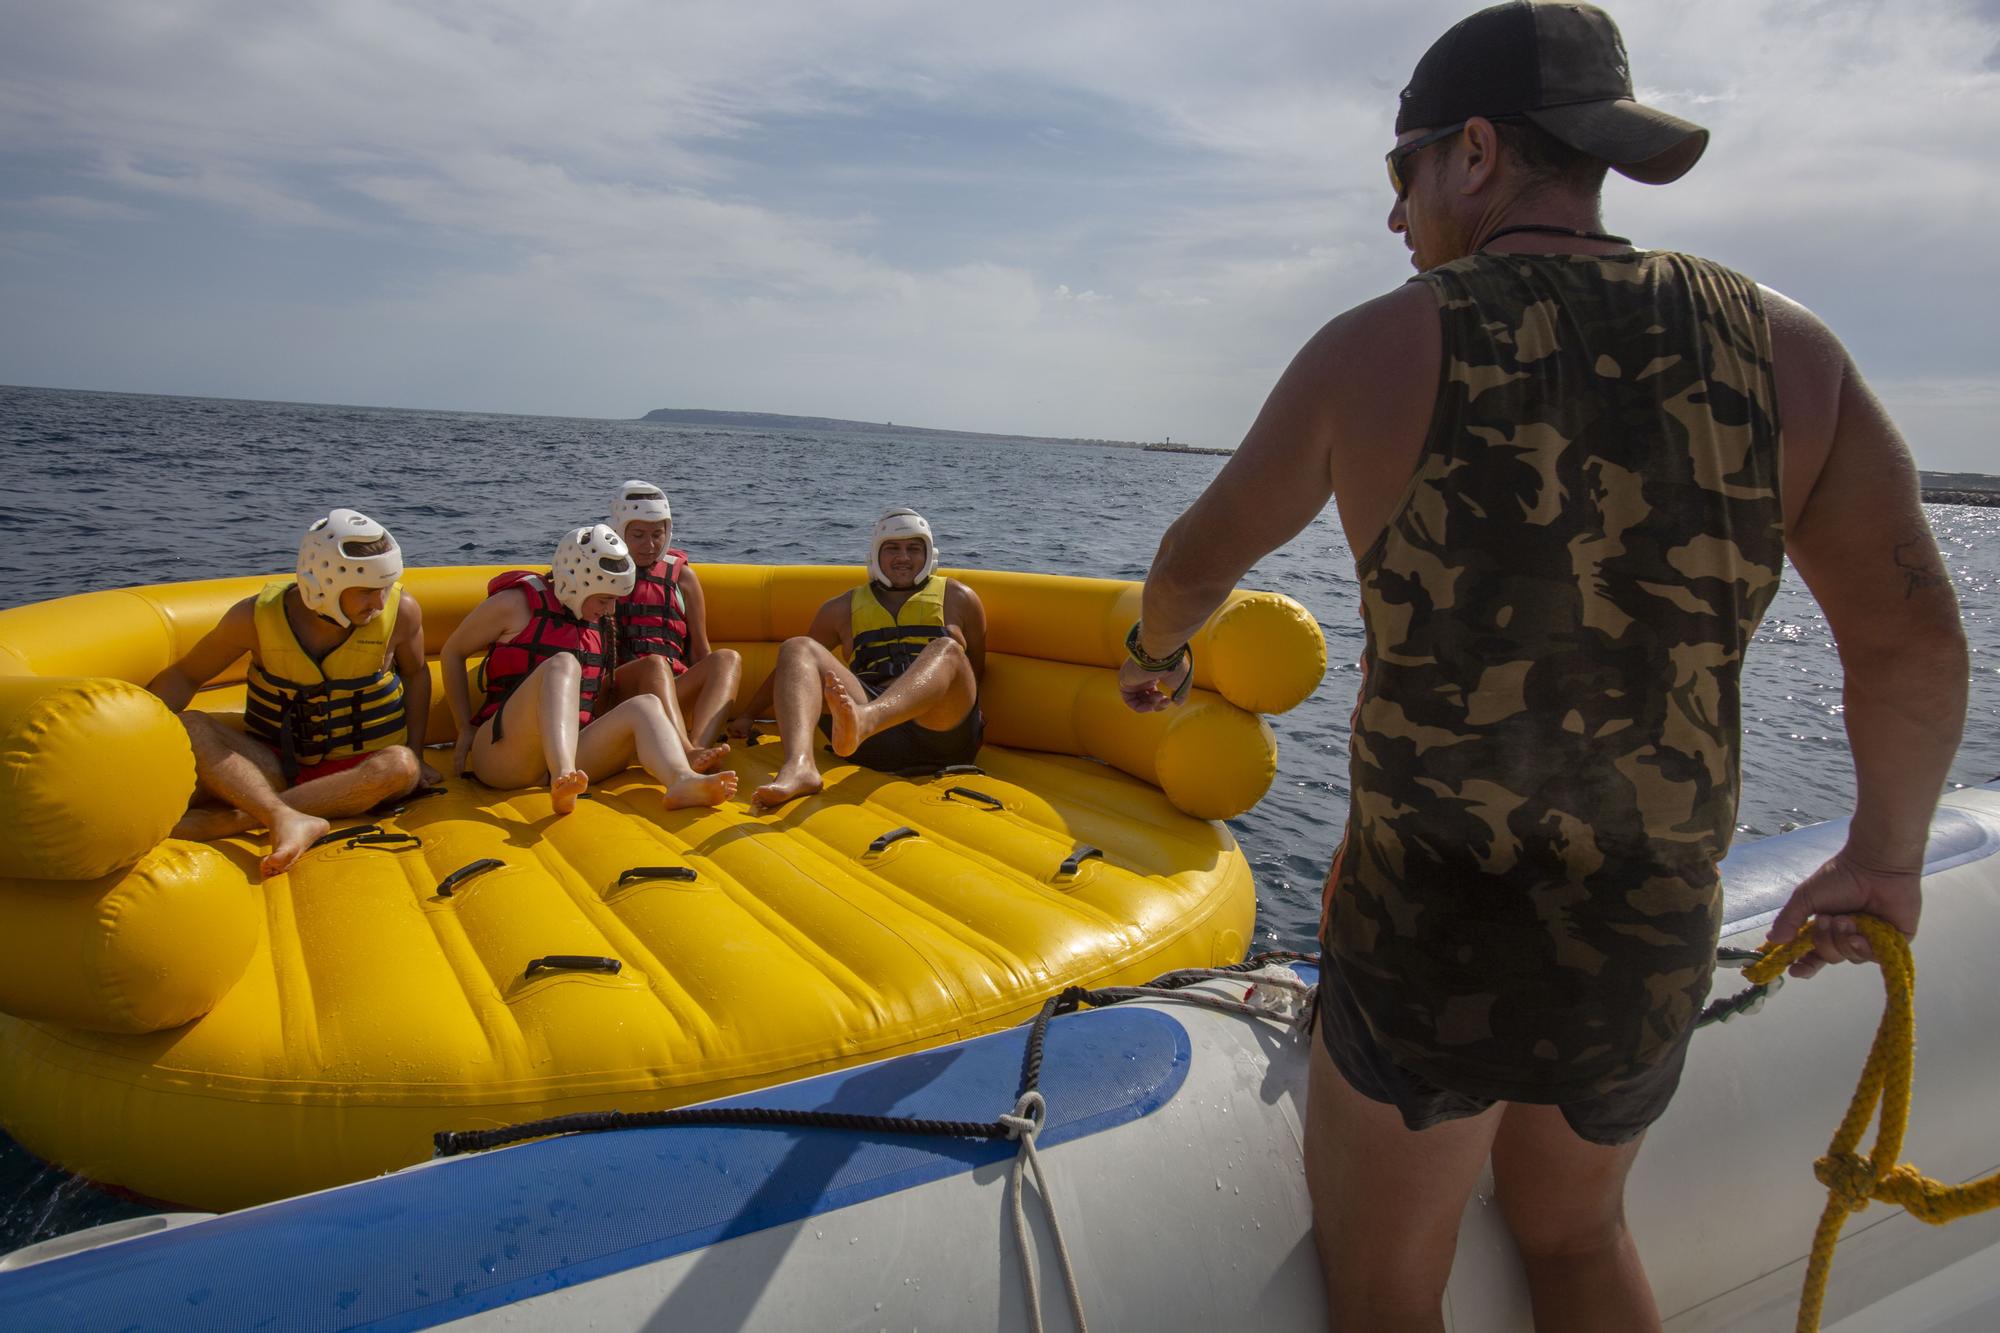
172,1026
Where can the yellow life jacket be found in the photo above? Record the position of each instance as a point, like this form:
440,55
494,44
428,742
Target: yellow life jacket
311,710
884,644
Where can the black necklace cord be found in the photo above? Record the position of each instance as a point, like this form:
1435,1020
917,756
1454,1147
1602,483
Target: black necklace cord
1551,229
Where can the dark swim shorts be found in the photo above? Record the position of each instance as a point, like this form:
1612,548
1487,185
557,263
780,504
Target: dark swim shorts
907,746
1610,1118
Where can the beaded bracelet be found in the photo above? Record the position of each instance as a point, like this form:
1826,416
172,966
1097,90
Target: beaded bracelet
1138,654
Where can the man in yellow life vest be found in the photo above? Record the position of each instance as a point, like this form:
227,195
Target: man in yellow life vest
903,690
337,686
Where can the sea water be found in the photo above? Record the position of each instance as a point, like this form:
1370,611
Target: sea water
106,490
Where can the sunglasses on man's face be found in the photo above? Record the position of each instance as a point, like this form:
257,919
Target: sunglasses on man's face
1400,154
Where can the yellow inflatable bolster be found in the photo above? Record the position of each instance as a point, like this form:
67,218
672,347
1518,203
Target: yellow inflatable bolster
93,773
134,951
1265,653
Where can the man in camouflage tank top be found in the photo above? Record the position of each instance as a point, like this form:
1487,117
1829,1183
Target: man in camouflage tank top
1572,472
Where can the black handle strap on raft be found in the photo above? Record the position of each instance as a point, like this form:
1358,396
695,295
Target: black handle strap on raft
368,835
948,771
466,872
640,874
968,794
1073,863
336,835
451,1143
893,836
572,962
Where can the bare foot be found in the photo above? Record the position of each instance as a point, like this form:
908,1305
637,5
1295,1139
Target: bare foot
204,823
707,757
566,788
846,715
793,781
291,833
701,789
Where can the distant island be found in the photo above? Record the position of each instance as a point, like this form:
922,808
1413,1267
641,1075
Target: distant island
1945,488
691,416
1959,488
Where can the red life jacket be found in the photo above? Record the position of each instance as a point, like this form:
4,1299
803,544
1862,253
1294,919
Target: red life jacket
551,629
652,618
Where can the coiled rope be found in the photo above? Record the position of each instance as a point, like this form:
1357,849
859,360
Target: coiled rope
1851,1180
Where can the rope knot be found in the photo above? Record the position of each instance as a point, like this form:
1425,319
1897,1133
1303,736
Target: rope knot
1027,1117
1921,1197
1849,1179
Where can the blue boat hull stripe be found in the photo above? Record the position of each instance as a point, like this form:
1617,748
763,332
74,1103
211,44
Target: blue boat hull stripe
424,1247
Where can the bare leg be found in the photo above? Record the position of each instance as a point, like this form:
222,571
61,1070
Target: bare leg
244,773
1564,1200
706,690
1386,1202
382,776
936,692
798,697
538,735
652,675
639,728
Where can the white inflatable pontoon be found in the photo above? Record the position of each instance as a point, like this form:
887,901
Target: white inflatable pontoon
1171,1150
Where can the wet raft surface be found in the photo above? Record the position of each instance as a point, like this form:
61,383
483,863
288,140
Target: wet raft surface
376,1009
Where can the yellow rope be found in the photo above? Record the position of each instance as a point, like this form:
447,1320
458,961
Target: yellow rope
1850,1179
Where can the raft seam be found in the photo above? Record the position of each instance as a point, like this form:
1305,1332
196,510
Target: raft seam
702,1032
505,1041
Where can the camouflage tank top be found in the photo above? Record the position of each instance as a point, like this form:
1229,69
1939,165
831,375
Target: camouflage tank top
1544,753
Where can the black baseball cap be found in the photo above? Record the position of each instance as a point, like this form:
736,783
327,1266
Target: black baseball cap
1560,65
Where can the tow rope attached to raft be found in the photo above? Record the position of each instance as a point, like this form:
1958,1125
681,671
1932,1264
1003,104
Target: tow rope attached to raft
1289,1001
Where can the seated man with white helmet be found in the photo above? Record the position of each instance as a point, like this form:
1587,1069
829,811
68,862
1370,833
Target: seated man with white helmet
543,717
338,693
903,691
663,624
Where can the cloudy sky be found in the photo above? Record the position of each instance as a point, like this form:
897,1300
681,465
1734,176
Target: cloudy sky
1077,218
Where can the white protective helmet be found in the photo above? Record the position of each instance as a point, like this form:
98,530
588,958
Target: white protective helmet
328,567
590,562
896,525
639,502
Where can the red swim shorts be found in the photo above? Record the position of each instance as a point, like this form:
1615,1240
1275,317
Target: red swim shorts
327,769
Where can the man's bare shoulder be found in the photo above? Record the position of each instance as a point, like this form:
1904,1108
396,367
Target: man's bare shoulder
1810,369
1802,346
1368,358
960,599
1372,334
239,622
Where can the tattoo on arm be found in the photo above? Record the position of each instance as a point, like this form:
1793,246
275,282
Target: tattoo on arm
1918,573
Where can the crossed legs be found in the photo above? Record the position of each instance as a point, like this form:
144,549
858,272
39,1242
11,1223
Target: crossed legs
540,740
651,675
937,691
245,776
1387,1203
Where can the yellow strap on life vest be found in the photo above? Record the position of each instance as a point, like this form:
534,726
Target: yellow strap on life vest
1851,1180
364,652
871,627
341,721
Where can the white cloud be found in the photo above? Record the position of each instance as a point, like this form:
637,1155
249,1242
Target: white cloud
80,208
1116,219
